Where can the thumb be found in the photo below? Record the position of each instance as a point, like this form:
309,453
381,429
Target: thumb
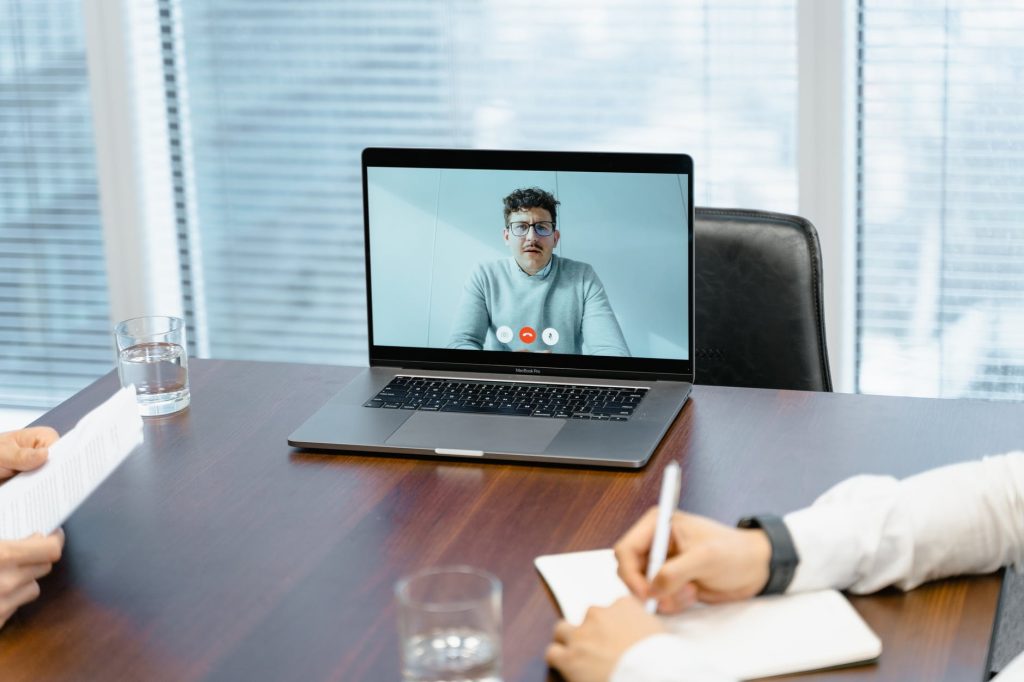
24,459
679,571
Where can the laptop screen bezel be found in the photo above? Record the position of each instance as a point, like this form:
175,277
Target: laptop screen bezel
529,364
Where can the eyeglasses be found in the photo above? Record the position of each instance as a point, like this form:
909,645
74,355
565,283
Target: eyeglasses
543,229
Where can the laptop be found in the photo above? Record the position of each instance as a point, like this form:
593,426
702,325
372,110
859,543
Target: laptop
522,306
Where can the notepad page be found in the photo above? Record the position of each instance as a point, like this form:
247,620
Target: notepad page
39,501
753,638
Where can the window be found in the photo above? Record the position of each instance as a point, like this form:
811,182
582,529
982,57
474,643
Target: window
284,96
941,199
269,105
54,329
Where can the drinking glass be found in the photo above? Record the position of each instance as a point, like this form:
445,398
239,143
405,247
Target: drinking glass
449,624
151,355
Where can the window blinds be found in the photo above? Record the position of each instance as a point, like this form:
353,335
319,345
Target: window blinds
283,97
941,198
54,329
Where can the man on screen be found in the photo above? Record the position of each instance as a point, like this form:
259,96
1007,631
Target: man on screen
535,300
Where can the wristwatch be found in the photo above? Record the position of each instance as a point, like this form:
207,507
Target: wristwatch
784,559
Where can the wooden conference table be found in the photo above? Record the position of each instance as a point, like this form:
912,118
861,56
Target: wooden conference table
219,552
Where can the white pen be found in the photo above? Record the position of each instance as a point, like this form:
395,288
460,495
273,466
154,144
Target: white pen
668,501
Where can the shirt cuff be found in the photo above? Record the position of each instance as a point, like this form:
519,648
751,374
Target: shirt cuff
832,536
666,658
824,563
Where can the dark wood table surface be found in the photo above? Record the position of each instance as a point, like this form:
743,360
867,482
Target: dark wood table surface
218,552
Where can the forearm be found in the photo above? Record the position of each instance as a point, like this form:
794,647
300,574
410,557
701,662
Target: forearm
471,321
605,344
870,532
601,332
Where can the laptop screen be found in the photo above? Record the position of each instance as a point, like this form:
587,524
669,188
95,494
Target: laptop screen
533,259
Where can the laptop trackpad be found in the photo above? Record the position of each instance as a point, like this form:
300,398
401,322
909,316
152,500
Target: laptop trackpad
489,433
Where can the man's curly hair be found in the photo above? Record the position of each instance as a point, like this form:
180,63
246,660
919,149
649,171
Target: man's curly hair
531,197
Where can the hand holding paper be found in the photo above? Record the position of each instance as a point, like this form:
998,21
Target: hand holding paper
57,476
25,449
38,501
23,562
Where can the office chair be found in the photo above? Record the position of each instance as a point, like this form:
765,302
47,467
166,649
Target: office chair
759,320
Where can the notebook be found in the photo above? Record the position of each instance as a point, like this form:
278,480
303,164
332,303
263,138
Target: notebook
521,306
755,638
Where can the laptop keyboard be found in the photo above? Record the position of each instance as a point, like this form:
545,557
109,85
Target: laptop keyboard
604,403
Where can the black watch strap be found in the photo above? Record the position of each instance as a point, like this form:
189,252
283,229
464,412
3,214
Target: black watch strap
784,559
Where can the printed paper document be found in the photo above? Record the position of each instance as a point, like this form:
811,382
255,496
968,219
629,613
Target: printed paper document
753,638
39,501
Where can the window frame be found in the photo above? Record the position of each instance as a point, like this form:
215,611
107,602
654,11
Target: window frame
827,112
133,161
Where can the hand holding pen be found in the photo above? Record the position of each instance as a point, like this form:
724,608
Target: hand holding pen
705,561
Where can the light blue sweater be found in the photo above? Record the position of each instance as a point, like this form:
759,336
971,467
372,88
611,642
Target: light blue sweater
567,296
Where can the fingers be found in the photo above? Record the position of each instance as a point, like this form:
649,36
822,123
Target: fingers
631,552
36,437
679,601
38,571
35,571
681,570
15,578
22,595
22,564
558,651
563,631
32,550
555,655
25,449
14,459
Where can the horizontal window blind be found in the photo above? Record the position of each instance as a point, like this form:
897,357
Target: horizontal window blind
941,198
283,97
54,329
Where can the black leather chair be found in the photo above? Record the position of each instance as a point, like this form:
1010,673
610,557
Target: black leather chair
759,320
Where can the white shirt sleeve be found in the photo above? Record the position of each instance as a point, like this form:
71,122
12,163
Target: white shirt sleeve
666,658
869,532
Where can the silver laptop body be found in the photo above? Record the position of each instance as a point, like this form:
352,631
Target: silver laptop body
585,361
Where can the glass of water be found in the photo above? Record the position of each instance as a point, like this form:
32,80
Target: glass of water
449,623
151,355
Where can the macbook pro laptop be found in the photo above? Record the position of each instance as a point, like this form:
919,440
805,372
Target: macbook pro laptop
531,306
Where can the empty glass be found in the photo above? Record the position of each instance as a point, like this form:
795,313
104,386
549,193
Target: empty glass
151,355
449,623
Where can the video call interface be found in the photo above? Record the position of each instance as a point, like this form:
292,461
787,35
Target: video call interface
567,262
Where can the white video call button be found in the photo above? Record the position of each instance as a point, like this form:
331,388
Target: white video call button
504,334
549,336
